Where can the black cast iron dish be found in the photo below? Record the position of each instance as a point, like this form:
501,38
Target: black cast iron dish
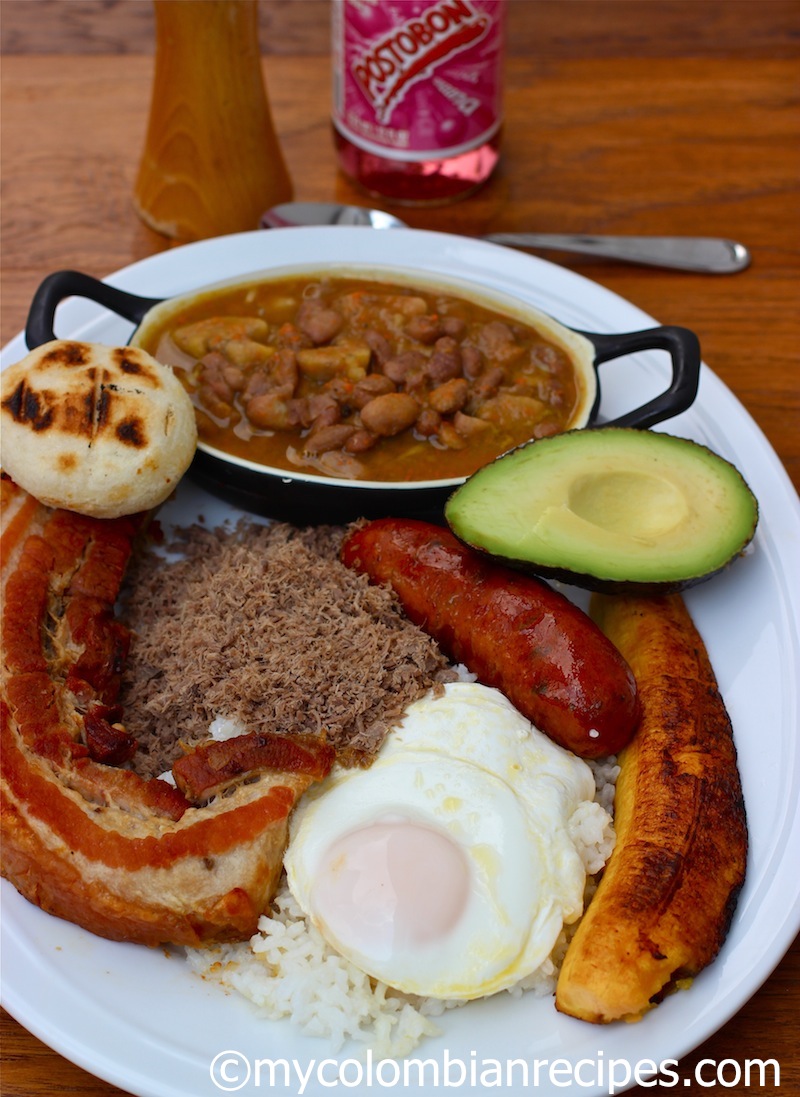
302,497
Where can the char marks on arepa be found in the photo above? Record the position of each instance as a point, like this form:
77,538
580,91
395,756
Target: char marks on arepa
264,625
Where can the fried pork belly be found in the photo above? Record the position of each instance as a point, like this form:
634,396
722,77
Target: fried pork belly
125,857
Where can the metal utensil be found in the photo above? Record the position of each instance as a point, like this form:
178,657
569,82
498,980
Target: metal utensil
709,255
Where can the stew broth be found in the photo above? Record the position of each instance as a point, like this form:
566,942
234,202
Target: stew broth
364,380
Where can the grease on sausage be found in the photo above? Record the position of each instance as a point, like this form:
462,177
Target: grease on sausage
514,632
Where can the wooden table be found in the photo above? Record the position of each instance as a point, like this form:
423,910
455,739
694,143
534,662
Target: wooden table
621,117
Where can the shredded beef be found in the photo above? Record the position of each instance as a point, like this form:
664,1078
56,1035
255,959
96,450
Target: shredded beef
264,625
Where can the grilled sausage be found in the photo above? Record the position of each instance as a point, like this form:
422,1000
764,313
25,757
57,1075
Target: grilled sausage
514,632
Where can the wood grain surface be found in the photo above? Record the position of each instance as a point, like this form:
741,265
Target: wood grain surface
629,116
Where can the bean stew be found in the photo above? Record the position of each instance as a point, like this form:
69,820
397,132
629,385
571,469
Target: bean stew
364,380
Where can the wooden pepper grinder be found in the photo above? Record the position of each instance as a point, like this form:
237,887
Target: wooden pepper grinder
211,163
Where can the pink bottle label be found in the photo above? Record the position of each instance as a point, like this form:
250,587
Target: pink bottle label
415,79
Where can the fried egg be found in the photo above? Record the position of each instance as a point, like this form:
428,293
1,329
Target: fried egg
446,869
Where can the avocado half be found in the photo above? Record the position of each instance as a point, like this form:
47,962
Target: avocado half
609,509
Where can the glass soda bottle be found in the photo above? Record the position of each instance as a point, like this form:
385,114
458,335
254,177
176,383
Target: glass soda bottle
417,95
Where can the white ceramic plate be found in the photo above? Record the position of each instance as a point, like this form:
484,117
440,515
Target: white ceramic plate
139,1019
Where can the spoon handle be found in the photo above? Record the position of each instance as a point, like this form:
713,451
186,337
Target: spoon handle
707,254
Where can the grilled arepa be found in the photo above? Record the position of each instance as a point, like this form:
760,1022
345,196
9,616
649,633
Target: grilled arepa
665,902
85,839
104,431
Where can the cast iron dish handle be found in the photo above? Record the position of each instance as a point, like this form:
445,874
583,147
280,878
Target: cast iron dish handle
684,351
71,283
682,344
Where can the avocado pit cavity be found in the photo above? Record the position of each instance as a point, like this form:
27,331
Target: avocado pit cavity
636,505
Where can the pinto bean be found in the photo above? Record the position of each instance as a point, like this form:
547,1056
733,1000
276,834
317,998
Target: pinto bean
445,362
398,368
328,416
360,441
322,404
390,414
271,411
341,389
450,396
300,411
327,438
450,437
488,384
454,326
499,344
468,426
354,305
310,410
291,337
425,329
318,322
235,378
379,345
220,410
472,361
416,382
547,357
280,376
212,376
374,384
428,422
403,305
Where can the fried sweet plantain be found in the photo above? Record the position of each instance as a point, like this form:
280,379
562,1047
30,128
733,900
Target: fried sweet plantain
665,903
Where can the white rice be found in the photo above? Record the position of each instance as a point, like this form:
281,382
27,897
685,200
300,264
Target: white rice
606,772
225,727
289,971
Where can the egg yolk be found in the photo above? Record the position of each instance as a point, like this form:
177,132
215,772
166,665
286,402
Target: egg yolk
391,887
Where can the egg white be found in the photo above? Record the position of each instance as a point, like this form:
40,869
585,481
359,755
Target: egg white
470,804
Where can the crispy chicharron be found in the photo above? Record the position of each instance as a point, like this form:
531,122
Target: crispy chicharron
82,836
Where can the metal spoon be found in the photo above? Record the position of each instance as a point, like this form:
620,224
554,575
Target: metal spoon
707,254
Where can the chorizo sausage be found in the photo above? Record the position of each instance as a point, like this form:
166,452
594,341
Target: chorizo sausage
514,632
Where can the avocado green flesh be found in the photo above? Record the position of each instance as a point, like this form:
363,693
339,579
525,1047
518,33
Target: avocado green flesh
609,508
